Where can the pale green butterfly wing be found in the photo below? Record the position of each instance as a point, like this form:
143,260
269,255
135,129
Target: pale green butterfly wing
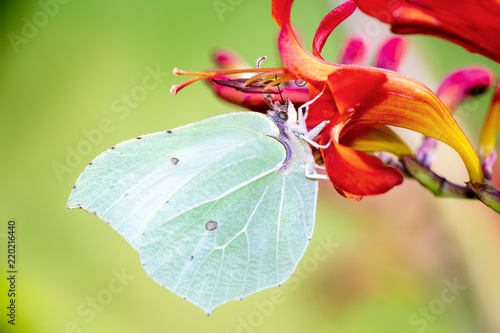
225,209
211,246
130,182
263,229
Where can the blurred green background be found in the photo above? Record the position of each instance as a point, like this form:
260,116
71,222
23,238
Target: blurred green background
385,264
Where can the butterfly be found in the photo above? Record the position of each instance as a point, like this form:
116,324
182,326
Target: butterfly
218,209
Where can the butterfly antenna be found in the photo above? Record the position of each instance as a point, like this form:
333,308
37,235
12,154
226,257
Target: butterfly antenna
279,91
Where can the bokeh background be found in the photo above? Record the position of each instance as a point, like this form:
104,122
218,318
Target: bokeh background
401,262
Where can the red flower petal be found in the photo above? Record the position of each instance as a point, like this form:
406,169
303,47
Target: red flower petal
330,22
356,174
471,24
351,85
303,64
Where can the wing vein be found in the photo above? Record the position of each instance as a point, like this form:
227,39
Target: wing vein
279,226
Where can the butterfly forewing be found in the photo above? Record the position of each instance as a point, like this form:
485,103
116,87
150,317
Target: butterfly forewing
129,183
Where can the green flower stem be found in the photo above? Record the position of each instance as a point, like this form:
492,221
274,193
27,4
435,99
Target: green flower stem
488,194
436,184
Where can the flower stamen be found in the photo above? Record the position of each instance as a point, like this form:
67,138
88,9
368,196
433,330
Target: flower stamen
284,78
259,61
273,71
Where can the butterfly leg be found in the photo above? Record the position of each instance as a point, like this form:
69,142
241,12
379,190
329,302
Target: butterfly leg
315,132
303,109
315,175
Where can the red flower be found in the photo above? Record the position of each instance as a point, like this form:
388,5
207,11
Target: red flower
359,101
474,24
364,95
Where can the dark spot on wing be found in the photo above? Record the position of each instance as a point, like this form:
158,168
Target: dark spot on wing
139,137
211,225
192,257
90,163
169,131
174,160
74,186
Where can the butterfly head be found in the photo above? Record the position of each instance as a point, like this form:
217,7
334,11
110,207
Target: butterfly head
281,113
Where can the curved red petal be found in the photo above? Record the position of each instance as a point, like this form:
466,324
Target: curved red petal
466,23
471,24
330,22
281,11
301,63
357,173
